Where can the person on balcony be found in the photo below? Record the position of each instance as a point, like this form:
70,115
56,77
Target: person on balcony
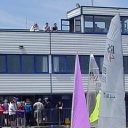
34,27
55,28
46,27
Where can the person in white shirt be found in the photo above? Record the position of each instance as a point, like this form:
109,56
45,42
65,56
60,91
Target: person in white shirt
34,27
12,113
38,106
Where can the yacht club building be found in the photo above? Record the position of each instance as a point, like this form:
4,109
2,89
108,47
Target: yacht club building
39,64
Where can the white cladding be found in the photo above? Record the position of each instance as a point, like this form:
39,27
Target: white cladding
74,13
70,43
97,11
61,44
33,43
24,83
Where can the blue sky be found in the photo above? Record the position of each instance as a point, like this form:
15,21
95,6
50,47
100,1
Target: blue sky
13,13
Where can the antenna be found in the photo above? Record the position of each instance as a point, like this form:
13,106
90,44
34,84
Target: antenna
92,2
26,22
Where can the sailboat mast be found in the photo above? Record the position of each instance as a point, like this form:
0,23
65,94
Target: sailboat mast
88,85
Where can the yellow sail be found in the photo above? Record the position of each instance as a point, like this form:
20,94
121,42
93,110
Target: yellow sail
94,115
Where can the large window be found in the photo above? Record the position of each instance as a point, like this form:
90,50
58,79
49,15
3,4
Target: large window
97,24
63,64
101,24
23,64
66,64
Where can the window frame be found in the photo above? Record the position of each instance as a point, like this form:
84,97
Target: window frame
20,63
93,32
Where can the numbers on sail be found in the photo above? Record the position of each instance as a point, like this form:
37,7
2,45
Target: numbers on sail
109,54
109,95
103,79
93,77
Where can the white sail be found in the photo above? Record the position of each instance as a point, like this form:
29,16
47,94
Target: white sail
94,85
112,104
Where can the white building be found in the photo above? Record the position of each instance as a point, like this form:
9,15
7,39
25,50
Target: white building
38,64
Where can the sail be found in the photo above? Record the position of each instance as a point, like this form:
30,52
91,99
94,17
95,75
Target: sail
79,115
112,104
94,115
93,95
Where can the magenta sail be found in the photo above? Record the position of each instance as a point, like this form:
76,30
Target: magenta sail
79,115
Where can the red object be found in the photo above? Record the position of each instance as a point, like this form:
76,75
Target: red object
2,109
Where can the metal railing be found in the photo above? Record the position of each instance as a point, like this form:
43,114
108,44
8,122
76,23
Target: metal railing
36,118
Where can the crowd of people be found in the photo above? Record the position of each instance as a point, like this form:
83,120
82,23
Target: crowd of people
19,113
46,28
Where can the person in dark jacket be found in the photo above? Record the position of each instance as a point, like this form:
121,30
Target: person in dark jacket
28,112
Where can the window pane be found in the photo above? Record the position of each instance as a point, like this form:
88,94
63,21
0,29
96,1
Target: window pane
2,64
102,23
78,24
59,64
64,22
13,63
99,61
77,28
41,63
65,25
125,24
125,61
89,24
70,64
84,64
65,28
27,64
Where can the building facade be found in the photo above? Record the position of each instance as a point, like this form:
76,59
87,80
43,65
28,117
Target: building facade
39,64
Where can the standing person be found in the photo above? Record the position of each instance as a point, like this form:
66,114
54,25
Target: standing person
46,27
28,111
47,109
59,106
55,28
12,113
6,105
38,106
34,27
2,109
20,113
